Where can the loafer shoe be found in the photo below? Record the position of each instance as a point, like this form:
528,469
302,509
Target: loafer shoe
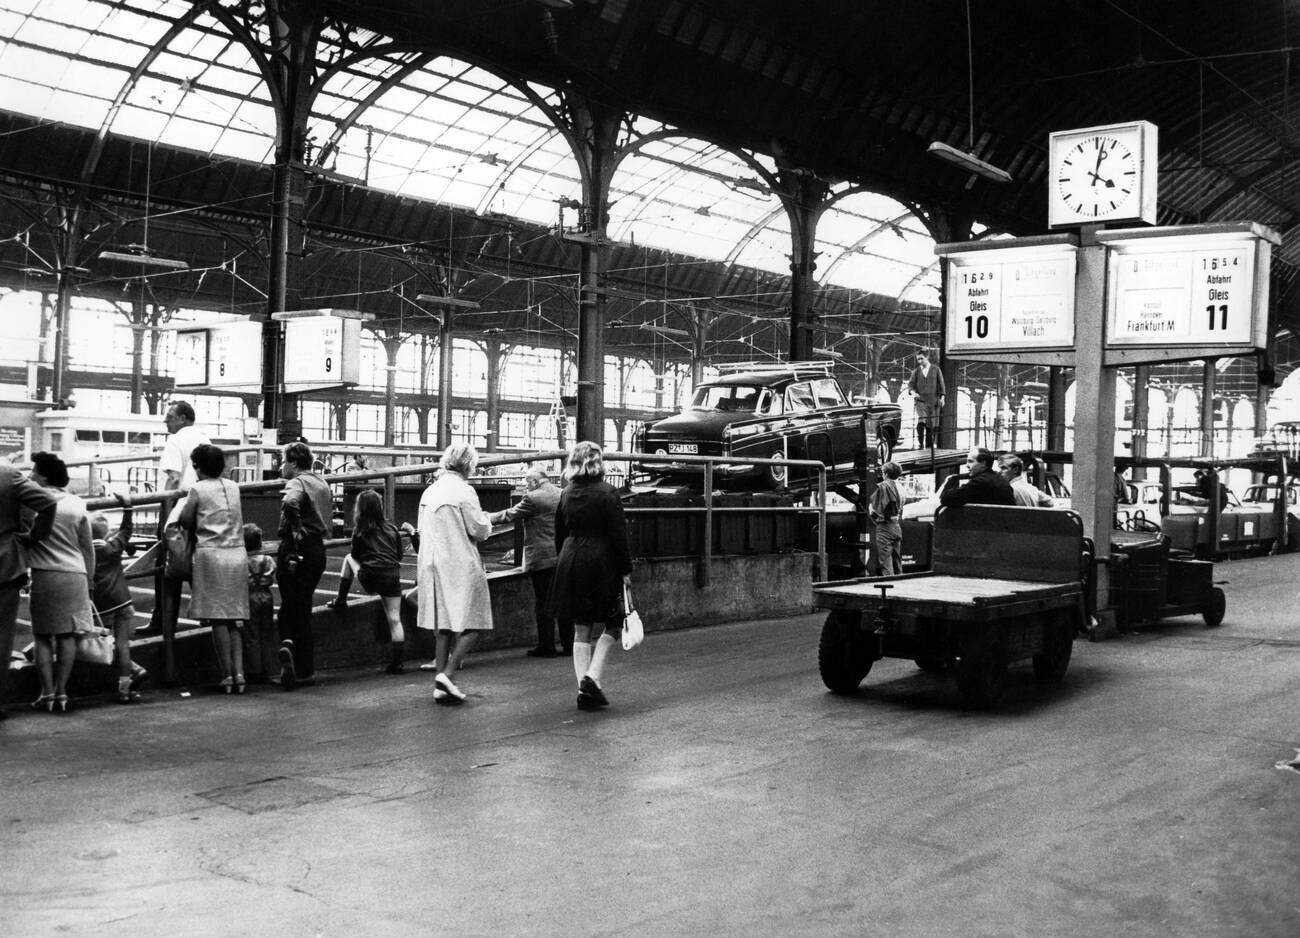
591,689
587,702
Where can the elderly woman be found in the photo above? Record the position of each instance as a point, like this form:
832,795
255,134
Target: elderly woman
219,592
450,582
63,570
593,566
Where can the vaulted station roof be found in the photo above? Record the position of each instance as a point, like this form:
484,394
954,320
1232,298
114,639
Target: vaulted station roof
446,102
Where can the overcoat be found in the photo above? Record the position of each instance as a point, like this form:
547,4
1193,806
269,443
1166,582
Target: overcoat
451,587
591,534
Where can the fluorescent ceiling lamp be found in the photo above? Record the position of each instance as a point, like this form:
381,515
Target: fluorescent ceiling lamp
288,314
438,300
146,259
665,330
968,162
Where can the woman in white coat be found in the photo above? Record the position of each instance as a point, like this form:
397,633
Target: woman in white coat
451,585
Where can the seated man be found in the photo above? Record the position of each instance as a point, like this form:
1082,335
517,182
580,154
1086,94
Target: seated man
984,487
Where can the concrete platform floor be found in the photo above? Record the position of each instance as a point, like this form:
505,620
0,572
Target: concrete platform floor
724,793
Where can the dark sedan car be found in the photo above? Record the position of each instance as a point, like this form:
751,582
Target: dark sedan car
786,411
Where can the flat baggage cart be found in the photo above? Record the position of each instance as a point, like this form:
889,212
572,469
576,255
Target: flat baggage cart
1005,584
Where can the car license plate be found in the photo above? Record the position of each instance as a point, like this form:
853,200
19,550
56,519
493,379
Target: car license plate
683,448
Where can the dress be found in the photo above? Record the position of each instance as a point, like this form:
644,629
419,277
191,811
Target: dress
220,587
591,534
63,567
450,583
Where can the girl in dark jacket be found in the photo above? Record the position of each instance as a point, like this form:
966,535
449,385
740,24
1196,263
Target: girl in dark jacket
593,566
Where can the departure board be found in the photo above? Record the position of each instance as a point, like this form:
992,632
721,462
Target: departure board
1198,286
1010,299
321,352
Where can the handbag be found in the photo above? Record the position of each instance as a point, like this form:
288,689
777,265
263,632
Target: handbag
633,630
95,647
178,547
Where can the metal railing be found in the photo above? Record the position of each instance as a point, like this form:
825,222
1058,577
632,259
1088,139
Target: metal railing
164,501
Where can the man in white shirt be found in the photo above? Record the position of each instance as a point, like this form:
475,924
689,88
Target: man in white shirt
1026,494
178,471
177,474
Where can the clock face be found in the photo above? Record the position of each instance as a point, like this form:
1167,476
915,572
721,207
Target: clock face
1097,177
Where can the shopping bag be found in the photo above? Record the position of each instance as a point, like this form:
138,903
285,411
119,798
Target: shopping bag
633,630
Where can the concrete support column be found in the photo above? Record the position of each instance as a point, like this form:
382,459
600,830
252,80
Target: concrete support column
138,318
1056,387
1094,408
1208,381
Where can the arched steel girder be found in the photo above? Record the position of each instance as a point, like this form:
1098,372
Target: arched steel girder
1241,184
380,89
848,251
920,275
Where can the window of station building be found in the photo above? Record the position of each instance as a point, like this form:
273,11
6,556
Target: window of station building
516,430
469,375
469,426
20,325
531,374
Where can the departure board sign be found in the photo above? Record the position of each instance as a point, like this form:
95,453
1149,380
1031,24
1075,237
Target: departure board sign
321,352
1197,287
227,357
1010,296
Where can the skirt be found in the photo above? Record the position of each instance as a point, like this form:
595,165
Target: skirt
220,586
60,603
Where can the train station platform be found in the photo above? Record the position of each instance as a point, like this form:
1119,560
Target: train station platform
724,792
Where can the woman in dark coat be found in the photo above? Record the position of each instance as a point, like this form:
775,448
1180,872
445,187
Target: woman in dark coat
593,566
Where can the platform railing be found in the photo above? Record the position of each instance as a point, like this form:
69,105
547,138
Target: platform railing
150,565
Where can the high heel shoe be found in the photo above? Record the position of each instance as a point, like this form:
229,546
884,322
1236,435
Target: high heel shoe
60,704
44,702
227,685
240,684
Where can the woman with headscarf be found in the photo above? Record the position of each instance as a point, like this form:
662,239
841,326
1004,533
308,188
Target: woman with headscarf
451,584
63,570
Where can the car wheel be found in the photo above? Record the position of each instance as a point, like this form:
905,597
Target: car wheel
1058,643
843,658
775,476
884,447
1215,607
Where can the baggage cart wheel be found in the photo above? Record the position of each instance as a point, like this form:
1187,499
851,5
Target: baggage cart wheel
1215,607
1058,643
843,654
982,667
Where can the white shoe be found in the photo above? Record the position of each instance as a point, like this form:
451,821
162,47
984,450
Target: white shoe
445,683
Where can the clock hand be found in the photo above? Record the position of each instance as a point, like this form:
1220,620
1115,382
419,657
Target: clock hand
1098,181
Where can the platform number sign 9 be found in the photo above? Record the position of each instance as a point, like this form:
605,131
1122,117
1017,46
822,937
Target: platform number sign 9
321,351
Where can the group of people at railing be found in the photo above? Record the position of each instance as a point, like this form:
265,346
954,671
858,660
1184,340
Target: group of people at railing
576,555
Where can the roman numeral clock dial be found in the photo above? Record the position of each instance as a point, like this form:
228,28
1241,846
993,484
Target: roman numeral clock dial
1102,174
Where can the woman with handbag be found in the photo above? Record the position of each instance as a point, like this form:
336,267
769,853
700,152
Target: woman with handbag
593,568
63,569
219,589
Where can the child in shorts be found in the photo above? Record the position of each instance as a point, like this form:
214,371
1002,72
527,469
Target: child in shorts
376,560
261,640
112,598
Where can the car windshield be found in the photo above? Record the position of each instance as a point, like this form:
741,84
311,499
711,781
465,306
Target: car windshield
739,398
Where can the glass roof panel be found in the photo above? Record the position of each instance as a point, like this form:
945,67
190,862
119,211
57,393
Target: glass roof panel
449,132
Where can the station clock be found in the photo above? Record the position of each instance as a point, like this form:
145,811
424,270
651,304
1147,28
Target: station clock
1102,174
